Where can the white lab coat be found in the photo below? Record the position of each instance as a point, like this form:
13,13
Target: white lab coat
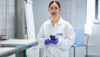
61,49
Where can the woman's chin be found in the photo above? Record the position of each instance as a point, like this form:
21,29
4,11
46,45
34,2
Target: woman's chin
54,15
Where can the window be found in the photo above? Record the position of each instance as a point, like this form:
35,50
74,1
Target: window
7,18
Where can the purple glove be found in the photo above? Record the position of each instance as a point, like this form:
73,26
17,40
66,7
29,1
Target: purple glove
55,41
47,41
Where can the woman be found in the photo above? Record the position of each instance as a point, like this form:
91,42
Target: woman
63,35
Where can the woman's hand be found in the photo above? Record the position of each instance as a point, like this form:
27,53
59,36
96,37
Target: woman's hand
47,41
55,41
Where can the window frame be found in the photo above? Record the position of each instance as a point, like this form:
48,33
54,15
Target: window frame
96,9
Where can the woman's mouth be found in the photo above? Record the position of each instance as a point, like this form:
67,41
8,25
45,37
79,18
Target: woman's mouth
53,13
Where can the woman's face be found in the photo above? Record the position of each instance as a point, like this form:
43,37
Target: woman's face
54,9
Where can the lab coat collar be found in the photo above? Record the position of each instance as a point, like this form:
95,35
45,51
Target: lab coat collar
59,22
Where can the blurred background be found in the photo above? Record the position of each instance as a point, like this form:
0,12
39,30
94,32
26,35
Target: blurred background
19,22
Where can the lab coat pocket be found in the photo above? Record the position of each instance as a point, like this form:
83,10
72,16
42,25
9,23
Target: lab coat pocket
60,35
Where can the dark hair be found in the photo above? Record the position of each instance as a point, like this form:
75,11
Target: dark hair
57,2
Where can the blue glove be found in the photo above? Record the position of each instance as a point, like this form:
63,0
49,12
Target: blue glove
47,41
55,41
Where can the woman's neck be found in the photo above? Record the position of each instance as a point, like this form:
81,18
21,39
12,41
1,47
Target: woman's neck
55,20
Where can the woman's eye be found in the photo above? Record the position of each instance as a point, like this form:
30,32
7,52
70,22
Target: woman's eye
56,8
53,8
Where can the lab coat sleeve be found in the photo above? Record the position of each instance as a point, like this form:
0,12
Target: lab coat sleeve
66,43
41,38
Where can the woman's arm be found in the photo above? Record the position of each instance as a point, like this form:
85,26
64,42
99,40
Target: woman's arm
41,37
67,42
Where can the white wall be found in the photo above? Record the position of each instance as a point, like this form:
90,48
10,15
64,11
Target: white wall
74,11
94,46
41,13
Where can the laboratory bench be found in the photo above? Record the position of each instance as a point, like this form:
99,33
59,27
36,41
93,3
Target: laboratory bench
14,46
